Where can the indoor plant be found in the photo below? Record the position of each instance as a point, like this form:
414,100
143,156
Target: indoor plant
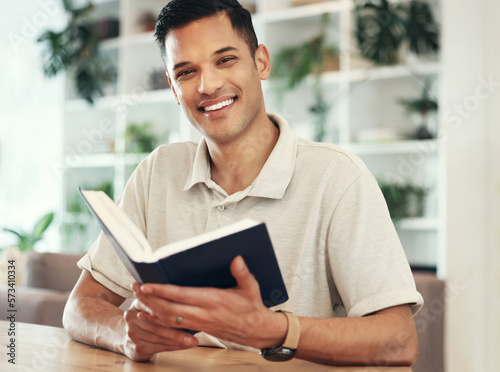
141,138
14,255
422,31
404,199
27,240
76,221
382,28
75,50
421,107
293,64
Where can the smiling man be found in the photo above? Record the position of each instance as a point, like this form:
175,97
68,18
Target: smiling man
216,78
351,291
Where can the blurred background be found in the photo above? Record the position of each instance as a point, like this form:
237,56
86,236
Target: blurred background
412,87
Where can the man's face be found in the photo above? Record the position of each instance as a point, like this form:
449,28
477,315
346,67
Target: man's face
215,78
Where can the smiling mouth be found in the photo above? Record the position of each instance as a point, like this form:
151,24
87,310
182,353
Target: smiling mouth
218,106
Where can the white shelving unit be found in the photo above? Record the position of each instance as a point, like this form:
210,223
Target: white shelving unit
362,97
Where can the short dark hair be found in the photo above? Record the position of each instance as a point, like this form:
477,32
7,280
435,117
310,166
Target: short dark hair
179,13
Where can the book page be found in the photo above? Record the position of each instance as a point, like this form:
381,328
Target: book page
130,238
185,244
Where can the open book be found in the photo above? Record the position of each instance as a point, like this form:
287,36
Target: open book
200,261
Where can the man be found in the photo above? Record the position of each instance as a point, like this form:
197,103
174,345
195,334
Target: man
348,279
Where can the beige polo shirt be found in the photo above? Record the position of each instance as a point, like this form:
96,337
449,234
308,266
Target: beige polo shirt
334,240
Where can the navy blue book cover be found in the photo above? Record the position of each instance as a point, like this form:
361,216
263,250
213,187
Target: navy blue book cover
207,265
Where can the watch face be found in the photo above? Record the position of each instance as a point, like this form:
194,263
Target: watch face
278,354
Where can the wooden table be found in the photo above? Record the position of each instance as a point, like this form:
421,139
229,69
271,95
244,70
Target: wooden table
43,348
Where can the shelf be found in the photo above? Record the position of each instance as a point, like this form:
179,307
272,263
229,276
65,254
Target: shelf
90,161
134,159
79,104
138,39
375,73
103,160
334,77
363,97
302,11
145,38
112,43
390,72
72,217
157,96
100,2
396,147
418,224
110,102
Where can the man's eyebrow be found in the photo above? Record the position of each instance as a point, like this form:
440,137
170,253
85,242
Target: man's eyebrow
225,49
217,52
179,65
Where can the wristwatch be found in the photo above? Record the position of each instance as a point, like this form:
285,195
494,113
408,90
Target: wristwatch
286,351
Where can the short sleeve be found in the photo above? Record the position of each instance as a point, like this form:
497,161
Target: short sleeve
101,260
369,267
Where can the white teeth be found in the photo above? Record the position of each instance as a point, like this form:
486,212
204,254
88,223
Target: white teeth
219,105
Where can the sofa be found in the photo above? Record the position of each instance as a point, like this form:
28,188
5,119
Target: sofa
49,278
429,322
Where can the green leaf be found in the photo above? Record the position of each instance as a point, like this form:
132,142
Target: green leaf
293,64
42,225
75,50
380,30
55,54
423,104
422,29
20,235
24,246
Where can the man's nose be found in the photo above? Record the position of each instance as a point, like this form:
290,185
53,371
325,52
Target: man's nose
210,82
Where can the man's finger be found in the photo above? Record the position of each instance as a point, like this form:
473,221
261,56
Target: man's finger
243,276
182,295
146,331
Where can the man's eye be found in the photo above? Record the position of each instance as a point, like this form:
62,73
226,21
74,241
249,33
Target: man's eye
226,60
184,73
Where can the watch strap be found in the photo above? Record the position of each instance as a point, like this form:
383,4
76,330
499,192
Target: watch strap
293,333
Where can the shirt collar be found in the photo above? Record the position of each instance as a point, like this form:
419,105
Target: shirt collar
274,176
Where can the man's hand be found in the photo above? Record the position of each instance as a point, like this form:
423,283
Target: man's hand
92,316
235,314
143,339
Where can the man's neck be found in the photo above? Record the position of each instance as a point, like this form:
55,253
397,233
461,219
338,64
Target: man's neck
235,165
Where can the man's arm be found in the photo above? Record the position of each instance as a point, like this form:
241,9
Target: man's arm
92,316
387,337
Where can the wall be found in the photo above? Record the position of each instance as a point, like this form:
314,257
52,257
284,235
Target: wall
30,119
471,107
492,262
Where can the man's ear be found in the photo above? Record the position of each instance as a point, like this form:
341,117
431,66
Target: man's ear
173,89
263,61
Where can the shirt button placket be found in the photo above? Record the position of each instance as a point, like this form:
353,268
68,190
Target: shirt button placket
221,208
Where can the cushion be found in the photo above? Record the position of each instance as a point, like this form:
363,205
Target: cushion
57,271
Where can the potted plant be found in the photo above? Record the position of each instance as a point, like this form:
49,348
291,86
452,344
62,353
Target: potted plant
421,107
141,138
27,240
293,64
395,197
382,28
404,200
76,222
380,31
75,50
422,31
415,201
